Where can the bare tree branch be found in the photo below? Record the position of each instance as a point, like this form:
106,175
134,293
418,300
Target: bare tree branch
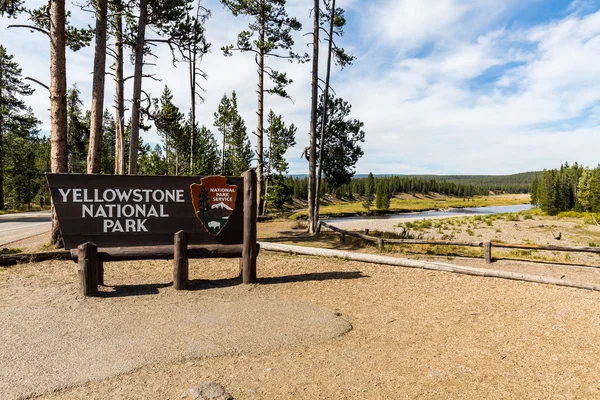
38,82
35,28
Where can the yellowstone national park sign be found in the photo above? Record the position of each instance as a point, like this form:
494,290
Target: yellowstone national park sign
123,211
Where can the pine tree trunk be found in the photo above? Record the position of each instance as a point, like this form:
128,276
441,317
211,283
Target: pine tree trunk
261,97
192,65
264,211
95,145
223,156
1,158
312,224
58,99
120,98
324,118
137,89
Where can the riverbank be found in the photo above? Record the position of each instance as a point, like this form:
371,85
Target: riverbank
405,203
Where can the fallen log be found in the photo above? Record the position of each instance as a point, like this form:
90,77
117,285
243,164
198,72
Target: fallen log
19,258
547,247
350,233
403,262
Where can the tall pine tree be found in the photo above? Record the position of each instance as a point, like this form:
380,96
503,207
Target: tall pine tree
12,107
269,35
236,151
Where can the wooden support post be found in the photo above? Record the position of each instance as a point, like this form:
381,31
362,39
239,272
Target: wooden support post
180,256
380,244
88,269
249,251
343,237
100,272
487,252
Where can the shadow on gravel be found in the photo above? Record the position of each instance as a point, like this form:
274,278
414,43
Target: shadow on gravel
313,277
201,284
133,290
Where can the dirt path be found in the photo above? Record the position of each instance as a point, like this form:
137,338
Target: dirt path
416,334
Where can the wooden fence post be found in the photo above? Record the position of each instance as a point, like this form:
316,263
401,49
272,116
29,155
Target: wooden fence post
487,252
100,264
88,269
180,258
249,250
380,244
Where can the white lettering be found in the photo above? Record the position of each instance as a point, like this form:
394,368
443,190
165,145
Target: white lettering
147,192
160,198
100,212
169,196
123,194
140,225
108,224
110,208
152,212
137,195
129,225
162,211
112,194
64,194
131,210
77,195
87,209
118,227
180,196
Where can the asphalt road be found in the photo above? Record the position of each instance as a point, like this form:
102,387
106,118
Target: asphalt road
19,226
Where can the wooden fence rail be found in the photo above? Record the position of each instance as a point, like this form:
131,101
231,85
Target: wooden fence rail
487,246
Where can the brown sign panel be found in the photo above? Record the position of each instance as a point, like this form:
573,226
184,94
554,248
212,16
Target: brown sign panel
124,210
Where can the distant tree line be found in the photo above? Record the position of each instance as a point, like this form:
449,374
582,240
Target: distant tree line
359,187
568,188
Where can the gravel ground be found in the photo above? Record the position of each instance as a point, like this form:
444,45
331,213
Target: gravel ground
52,338
415,334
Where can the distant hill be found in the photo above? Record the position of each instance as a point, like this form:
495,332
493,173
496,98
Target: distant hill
454,184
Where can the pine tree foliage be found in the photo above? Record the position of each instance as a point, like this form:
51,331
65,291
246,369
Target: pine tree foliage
14,114
169,122
78,130
109,129
281,138
369,192
236,151
343,135
207,155
567,188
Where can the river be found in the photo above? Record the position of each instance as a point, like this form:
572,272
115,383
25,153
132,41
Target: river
453,212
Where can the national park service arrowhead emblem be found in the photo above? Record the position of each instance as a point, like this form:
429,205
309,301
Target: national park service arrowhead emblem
214,202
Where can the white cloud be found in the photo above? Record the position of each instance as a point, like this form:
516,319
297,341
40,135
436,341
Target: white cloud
438,112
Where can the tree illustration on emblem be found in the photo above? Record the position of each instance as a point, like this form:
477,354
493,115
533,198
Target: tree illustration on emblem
203,204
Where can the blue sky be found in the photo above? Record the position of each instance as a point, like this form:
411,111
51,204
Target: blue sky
443,86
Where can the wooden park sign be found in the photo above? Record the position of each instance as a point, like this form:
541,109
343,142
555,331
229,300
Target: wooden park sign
146,217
